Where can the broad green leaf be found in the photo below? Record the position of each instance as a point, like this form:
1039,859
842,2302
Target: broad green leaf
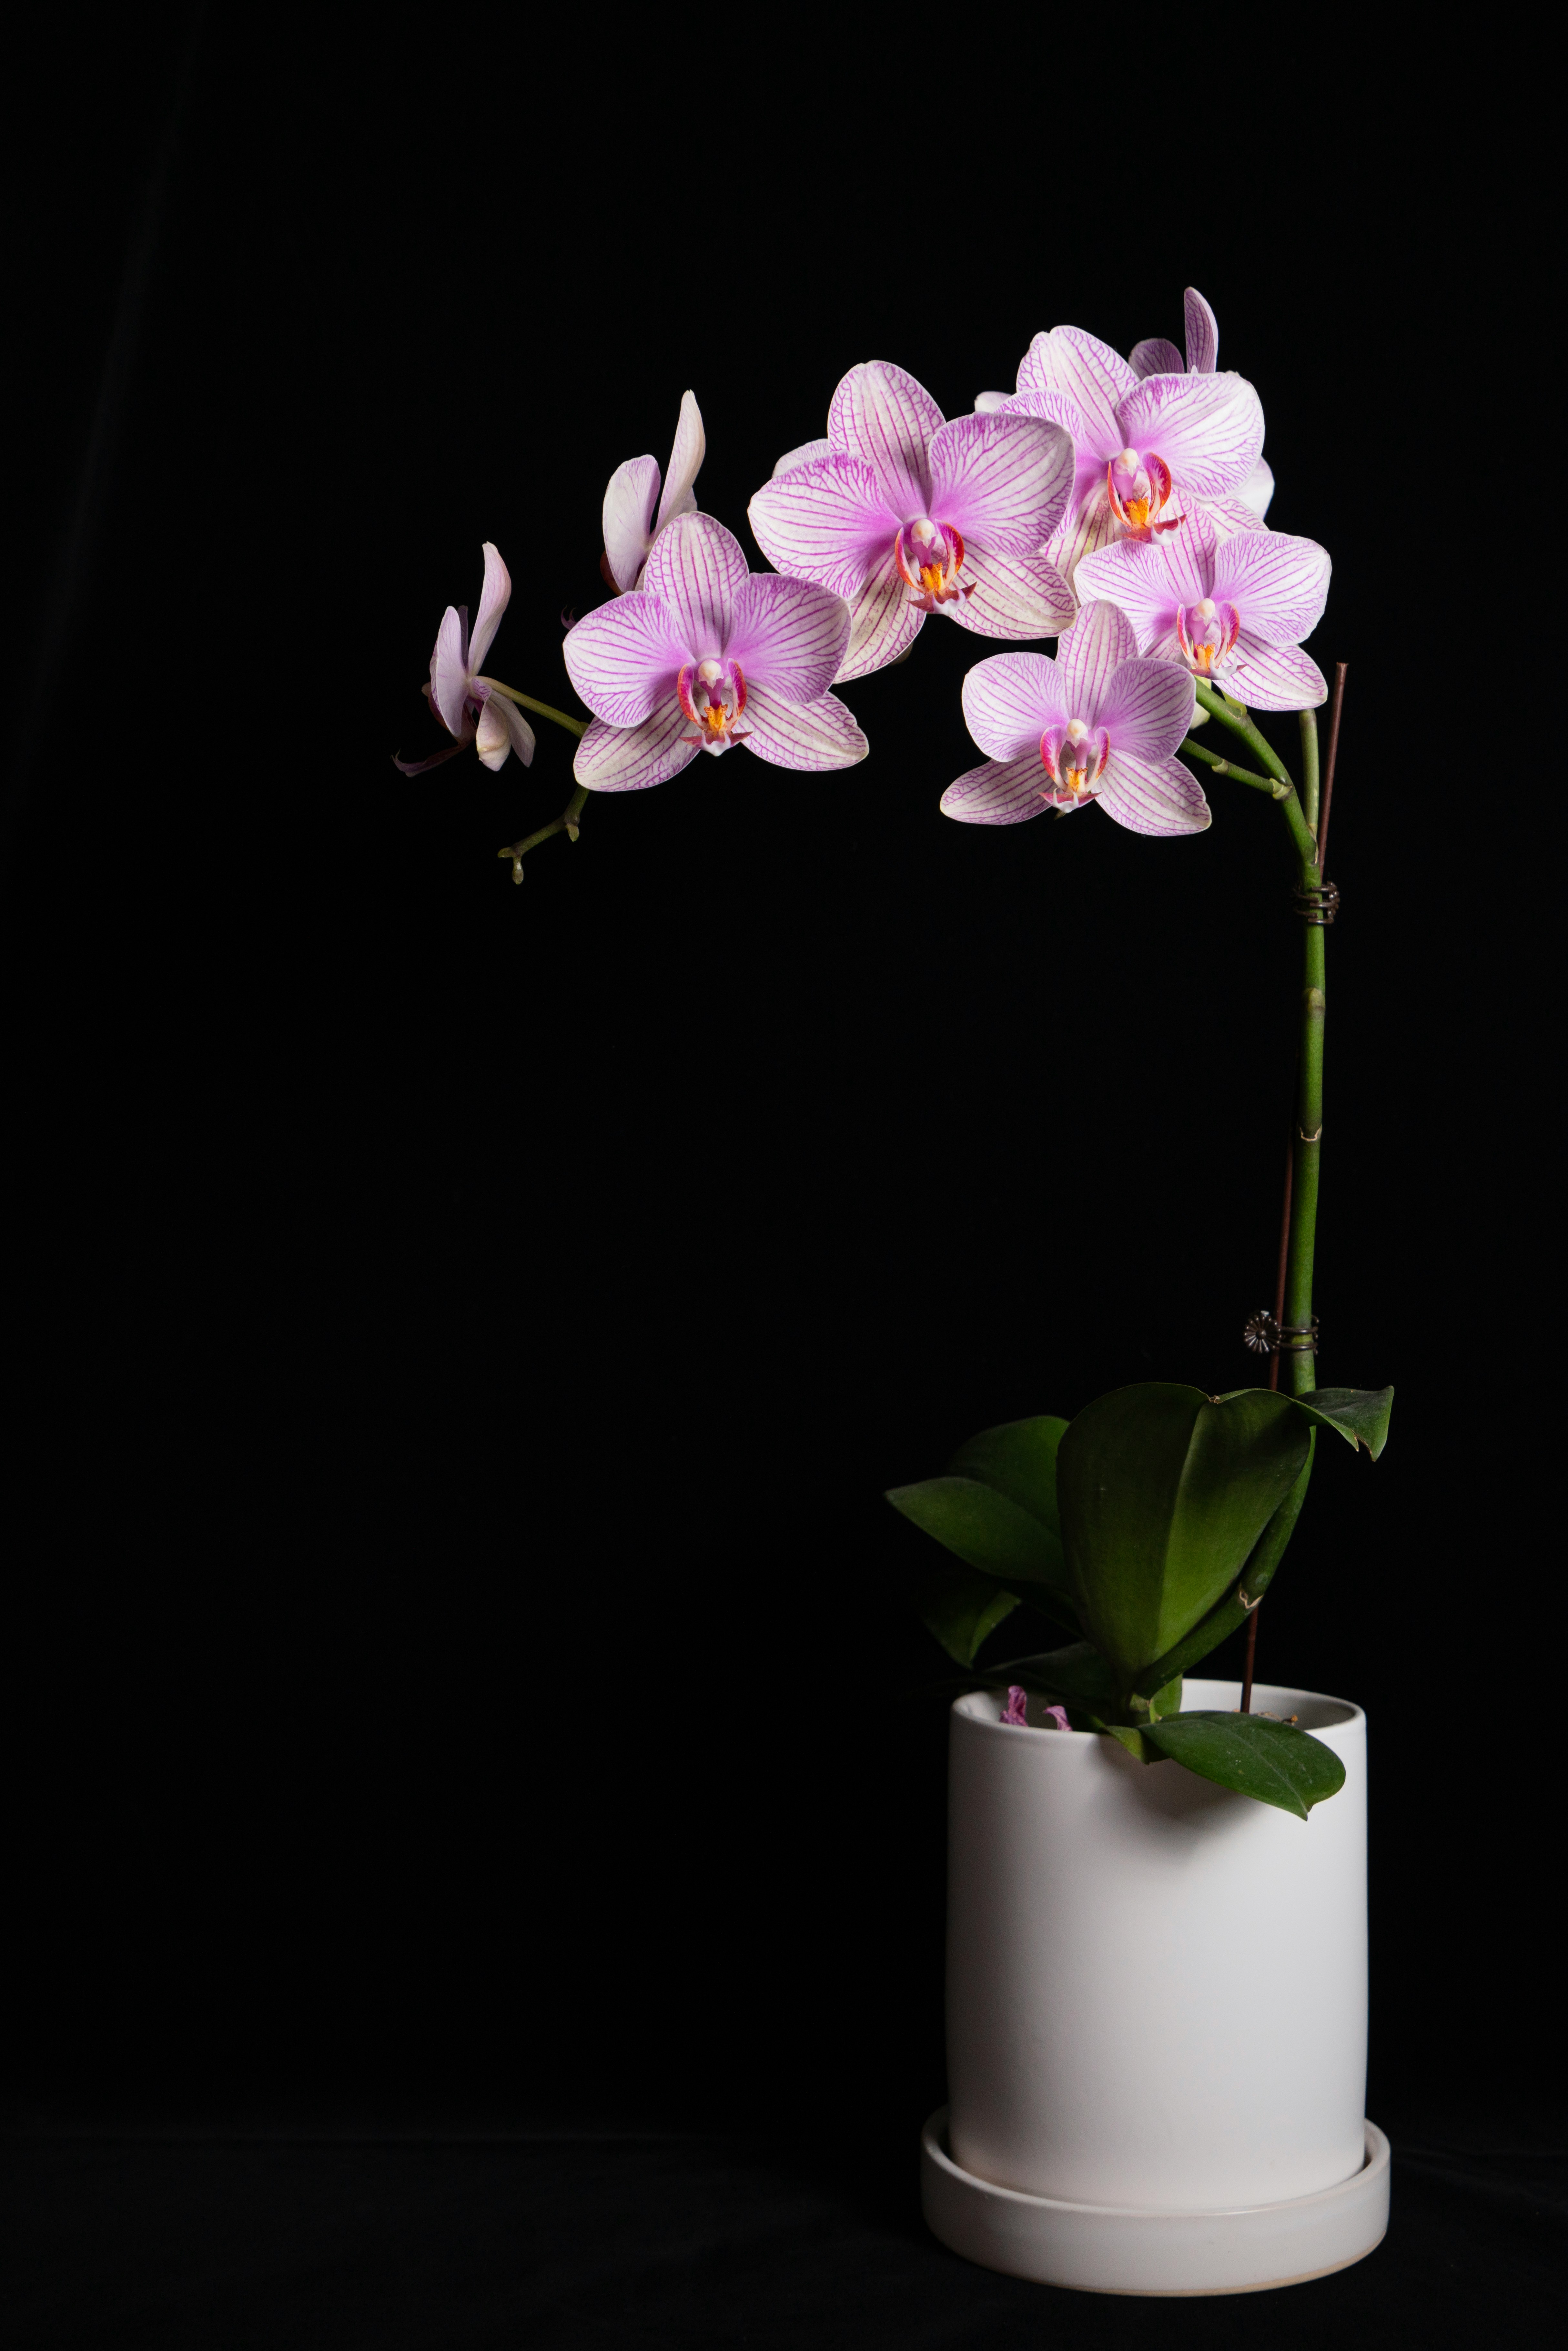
1164,1492
1019,1460
1243,1597
1076,1676
1358,1415
1273,1761
961,1606
1134,1741
983,1527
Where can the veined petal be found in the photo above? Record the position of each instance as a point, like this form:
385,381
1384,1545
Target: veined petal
1014,595
828,521
630,759
1202,334
1156,357
814,735
803,455
1093,649
1147,707
1093,376
1278,584
1148,582
1085,531
1004,480
629,517
789,635
697,569
1157,796
1257,490
1010,700
1207,428
885,621
1228,516
685,462
449,671
990,403
624,658
881,415
493,600
503,729
1274,677
1003,791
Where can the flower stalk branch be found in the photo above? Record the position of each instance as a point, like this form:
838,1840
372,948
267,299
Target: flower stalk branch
566,822
578,727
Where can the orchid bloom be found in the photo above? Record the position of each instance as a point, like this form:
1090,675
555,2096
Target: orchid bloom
1098,723
1156,357
1144,452
904,514
469,706
1231,610
631,525
706,655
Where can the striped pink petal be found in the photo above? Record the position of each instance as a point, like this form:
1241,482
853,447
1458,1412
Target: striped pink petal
449,670
1274,677
826,520
1003,481
1202,334
1147,707
1003,791
789,635
1090,654
1156,357
1228,516
801,457
1014,595
1089,372
1010,700
1278,584
685,462
815,735
1093,525
493,600
1207,428
624,657
630,759
1155,796
629,517
1257,490
885,621
881,415
697,569
503,729
1148,582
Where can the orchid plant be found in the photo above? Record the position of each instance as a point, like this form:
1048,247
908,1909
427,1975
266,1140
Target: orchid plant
1117,507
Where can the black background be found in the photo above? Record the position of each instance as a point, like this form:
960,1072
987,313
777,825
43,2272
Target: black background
460,1334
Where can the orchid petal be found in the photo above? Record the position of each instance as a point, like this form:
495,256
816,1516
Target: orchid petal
828,521
815,735
685,463
884,621
629,517
788,635
494,598
1002,480
1093,649
624,657
991,404
1010,700
1083,533
881,415
503,729
449,671
1148,582
697,568
1003,791
630,759
1257,490
1229,515
1092,375
1156,357
1155,796
803,455
1278,584
1013,595
1274,677
1202,334
1147,709
1207,428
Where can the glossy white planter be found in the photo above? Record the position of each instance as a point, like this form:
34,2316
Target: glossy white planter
1156,2007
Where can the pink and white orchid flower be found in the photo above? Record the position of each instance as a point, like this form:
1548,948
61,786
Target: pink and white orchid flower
630,524
469,706
1098,723
1156,357
904,514
1145,451
1233,611
706,655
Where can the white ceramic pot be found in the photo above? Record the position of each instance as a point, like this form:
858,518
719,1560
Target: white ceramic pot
1156,1989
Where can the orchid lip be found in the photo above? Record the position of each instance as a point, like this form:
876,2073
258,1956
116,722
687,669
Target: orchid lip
1206,633
935,550
712,694
1139,500
1073,755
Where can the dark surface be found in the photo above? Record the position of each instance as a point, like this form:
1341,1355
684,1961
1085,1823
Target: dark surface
443,2244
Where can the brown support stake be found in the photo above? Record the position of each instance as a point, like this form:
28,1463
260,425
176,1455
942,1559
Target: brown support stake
1252,1653
1335,705
1274,1383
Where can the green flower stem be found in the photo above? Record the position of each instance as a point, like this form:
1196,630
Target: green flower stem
1307,1148
1307,720
1234,714
567,823
526,701
1229,768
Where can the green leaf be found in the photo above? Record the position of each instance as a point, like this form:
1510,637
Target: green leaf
1358,1415
961,1606
1243,1597
1018,1459
1164,1492
1076,1676
983,1527
1273,1761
